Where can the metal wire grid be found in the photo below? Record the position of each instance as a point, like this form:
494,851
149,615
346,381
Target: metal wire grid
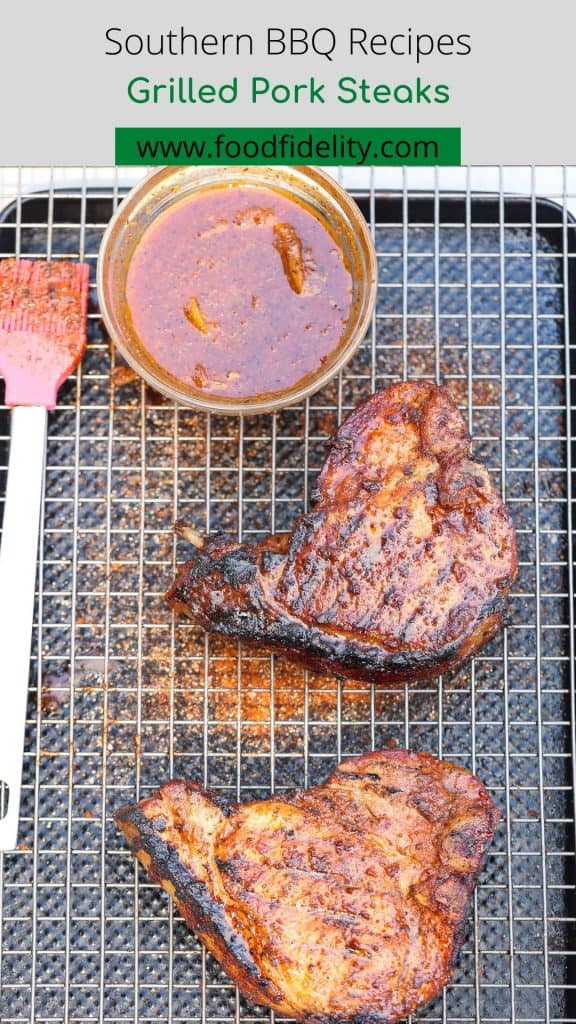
121,697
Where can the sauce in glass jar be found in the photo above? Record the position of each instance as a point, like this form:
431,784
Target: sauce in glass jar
239,291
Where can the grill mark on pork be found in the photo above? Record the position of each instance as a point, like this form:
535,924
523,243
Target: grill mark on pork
399,572
341,903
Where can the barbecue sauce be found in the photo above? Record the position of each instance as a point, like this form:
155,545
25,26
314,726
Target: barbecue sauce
239,291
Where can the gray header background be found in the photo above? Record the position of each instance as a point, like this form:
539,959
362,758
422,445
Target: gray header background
513,95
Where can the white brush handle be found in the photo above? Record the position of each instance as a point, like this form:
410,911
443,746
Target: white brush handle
18,554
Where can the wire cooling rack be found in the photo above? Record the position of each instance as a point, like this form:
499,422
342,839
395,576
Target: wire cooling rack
476,289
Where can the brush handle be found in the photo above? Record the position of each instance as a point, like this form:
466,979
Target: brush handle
18,553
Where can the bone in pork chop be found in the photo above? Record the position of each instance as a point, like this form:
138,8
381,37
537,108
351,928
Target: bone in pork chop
344,902
401,569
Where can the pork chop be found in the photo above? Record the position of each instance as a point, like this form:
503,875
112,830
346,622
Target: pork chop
344,902
400,570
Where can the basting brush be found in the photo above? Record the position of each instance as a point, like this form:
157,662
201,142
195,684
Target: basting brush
43,308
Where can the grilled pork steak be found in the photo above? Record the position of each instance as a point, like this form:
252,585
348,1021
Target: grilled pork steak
399,572
345,902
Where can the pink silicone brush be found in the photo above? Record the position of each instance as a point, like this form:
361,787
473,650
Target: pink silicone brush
42,339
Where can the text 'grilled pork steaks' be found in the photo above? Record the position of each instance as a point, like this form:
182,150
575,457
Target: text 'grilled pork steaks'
398,572
347,901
